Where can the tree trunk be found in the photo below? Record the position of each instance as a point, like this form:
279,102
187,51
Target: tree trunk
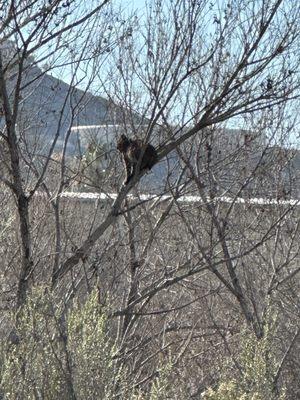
26,265
22,202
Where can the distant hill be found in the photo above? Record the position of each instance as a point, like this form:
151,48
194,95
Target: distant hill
50,108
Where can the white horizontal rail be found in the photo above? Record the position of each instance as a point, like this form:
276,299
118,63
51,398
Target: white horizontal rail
184,199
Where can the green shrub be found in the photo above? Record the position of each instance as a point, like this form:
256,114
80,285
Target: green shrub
91,351
258,368
34,367
73,356
56,360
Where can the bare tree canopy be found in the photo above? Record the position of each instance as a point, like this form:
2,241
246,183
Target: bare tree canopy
181,266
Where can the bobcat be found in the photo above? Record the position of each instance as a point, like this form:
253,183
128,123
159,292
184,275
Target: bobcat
135,153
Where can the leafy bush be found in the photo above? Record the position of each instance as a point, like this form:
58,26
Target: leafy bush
258,366
54,359
34,367
91,351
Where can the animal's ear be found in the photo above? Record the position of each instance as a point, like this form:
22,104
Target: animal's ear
122,139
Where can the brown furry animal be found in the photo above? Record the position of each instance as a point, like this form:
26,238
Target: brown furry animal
136,155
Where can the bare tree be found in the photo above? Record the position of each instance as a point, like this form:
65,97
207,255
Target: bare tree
51,31
187,271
